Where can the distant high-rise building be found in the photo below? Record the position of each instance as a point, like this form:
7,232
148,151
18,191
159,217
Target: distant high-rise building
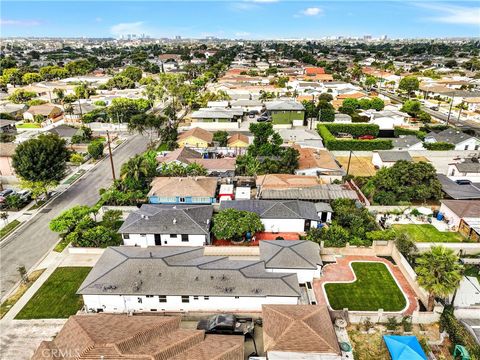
178,37
383,37
367,37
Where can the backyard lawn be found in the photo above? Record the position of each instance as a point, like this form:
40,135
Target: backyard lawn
374,289
428,233
56,298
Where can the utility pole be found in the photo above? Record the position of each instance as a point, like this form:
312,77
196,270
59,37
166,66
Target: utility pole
449,110
349,159
111,157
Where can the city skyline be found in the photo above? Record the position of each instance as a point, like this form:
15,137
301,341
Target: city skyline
252,19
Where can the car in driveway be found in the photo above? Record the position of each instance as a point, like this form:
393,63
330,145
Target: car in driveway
4,194
263,119
253,113
227,324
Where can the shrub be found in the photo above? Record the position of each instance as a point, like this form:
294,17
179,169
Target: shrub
76,158
355,130
392,323
333,143
438,146
380,235
407,323
402,131
458,333
95,149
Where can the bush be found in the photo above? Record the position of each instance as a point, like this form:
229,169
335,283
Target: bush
355,130
77,158
95,149
438,146
407,323
333,143
458,333
402,131
392,323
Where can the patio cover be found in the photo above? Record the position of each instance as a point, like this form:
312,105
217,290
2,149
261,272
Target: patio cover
404,347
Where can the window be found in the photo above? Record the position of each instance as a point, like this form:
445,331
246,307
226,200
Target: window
149,296
184,238
153,309
206,297
477,147
181,199
143,235
195,298
139,300
126,236
162,298
173,236
237,297
185,299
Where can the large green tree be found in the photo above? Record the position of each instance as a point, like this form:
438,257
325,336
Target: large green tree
43,159
233,224
409,84
438,272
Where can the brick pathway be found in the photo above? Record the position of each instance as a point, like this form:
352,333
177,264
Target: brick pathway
341,271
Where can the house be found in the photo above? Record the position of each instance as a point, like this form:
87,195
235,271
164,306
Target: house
246,105
285,181
172,225
321,163
45,113
466,303
407,142
78,110
108,336
324,211
196,137
7,126
285,113
386,120
167,278
13,110
466,169
343,119
461,140
303,138
299,332
319,193
462,191
388,158
463,215
279,216
6,166
301,257
65,131
182,155
226,192
216,115
183,190
238,141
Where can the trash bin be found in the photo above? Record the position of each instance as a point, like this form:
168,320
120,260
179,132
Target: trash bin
439,216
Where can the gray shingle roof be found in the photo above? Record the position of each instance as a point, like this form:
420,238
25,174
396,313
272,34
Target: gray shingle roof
456,191
314,193
393,156
290,254
162,270
468,166
284,105
451,136
169,219
405,141
267,209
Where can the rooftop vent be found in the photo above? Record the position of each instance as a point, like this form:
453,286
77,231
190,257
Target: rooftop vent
174,221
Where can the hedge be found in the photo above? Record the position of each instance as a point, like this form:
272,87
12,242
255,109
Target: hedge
458,333
398,131
438,146
333,143
355,130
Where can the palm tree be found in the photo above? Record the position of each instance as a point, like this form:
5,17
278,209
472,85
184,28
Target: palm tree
438,272
137,170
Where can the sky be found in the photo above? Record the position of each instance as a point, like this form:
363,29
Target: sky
241,19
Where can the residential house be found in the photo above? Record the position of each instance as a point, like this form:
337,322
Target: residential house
14,110
321,163
108,336
217,117
299,332
238,141
45,113
304,138
463,215
301,257
461,140
407,142
172,225
343,119
279,216
246,105
462,191
7,126
284,181
65,131
75,115
285,113
388,158
473,103
183,190
167,278
196,137
466,169
7,172
466,302
386,120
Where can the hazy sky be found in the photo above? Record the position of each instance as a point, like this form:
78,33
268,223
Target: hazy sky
249,19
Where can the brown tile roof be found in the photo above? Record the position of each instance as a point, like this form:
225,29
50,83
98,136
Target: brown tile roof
237,137
311,158
197,132
44,109
183,186
285,181
299,328
314,70
180,154
319,77
216,164
136,337
464,208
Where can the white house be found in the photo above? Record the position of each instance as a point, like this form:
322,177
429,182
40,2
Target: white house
172,225
134,279
457,210
461,140
301,257
388,158
279,216
386,119
466,169
407,142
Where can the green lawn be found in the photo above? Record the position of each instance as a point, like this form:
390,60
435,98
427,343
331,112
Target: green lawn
56,298
7,229
28,126
374,289
428,233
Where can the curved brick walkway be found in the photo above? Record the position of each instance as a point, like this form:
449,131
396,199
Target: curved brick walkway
341,271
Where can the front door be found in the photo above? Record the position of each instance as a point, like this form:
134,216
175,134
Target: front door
307,225
158,241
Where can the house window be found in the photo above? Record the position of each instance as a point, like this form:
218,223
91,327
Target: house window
139,299
173,236
162,298
184,238
149,296
477,147
153,310
126,236
206,297
237,297
181,199
466,147
143,235
185,299
195,298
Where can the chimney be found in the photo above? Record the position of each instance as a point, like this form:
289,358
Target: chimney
174,221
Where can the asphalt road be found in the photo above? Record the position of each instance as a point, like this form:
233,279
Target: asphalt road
34,240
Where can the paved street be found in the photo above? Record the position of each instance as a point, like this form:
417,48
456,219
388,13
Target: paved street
32,242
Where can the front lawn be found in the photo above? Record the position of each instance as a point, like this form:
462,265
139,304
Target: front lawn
428,233
7,229
28,126
56,298
373,289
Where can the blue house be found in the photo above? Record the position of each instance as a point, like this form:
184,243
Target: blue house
183,190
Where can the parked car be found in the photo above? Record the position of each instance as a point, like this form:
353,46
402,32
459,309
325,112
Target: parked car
463,182
344,136
5,193
25,195
434,108
253,113
263,119
227,324
366,137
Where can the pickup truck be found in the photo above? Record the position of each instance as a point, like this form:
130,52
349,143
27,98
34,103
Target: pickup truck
227,324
